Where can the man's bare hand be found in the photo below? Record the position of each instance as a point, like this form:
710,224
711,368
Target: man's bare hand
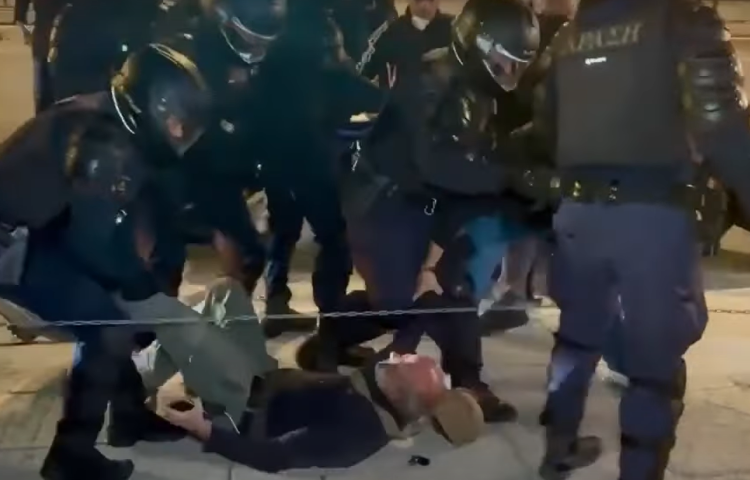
427,282
192,420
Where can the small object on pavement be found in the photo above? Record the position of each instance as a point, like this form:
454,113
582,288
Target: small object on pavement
418,460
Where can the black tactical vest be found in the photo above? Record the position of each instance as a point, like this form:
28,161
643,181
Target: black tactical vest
618,101
459,115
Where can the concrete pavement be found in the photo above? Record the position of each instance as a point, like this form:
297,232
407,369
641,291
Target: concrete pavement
714,434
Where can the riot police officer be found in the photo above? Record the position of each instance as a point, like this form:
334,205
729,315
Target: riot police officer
227,39
77,177
89,41
299,149
431,167
640,87
358,19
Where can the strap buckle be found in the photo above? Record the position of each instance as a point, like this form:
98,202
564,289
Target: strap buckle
429,210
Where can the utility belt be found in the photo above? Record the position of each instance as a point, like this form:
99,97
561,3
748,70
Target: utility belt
612,193
703,198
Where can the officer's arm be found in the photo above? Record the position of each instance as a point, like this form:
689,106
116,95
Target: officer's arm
377,54
713,99
105,221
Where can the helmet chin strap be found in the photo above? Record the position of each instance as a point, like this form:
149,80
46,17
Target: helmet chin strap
246,57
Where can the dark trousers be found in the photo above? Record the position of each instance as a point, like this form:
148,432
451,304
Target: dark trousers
103,372
43,94
614,345
646,255
389,244
313,196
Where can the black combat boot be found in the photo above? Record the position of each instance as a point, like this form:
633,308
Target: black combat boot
66,464
89,388
564,454
287,319
313,356
506,314
130,421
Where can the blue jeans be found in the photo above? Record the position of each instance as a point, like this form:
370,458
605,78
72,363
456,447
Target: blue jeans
490,236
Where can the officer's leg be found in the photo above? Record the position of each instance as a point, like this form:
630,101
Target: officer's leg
318,200
285,222
43,96
90,386
664,313
346,334
581,284
613,354
388,244
56,291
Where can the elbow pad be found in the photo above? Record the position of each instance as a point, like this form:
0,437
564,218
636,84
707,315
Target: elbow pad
710,73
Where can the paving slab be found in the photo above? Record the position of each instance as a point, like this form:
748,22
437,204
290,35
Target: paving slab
713,437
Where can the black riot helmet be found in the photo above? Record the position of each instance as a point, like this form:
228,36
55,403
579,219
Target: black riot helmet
248,26
161,96
501,35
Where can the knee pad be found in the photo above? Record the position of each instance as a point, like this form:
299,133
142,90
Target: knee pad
672,390
647,458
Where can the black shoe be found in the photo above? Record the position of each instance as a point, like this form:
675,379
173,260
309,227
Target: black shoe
356,356
497,320
564,456
311,357
292,320
61,465
144,427
494,409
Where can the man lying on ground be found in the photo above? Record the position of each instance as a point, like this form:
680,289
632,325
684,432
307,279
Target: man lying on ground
307,420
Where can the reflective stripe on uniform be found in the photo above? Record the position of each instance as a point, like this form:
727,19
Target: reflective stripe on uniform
371,42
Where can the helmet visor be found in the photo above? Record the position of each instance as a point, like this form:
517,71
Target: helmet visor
505,68
180,125
250,46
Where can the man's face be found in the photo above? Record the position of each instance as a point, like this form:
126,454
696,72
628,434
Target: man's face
425,9
417,378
